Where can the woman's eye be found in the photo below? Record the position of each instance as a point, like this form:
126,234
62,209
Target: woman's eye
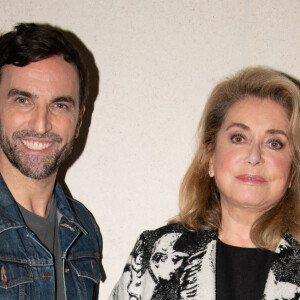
237,138
276,144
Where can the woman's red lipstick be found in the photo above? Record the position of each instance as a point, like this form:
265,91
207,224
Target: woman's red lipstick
251,179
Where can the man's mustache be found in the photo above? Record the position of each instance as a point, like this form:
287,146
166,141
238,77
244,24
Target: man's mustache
31,133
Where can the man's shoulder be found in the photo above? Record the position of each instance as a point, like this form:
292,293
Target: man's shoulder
83,215
78,206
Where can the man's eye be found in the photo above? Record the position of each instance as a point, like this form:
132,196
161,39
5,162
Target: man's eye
61,105
237,138
22,100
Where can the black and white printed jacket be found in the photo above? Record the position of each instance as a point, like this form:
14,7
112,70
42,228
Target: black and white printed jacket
174,263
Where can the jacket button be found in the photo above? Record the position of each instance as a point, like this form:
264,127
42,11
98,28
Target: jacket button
46,276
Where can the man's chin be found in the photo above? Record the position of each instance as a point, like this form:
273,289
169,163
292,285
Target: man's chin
37,170
37,167
37,174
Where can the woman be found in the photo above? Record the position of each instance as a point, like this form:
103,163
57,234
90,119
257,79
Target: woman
237,233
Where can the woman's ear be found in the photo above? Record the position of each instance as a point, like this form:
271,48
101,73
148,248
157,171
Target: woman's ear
292,176
211,171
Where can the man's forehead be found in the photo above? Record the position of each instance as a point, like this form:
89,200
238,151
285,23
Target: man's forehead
52,74
54,64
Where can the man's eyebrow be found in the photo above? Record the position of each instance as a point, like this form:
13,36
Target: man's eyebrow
240,125
16,92
64,99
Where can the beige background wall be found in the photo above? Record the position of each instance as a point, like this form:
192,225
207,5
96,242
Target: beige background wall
158,60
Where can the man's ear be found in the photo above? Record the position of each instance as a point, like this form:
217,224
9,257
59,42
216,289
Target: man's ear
79,123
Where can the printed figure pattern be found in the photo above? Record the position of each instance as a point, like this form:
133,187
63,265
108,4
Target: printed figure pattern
172,263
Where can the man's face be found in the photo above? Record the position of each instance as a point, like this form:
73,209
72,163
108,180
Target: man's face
39,115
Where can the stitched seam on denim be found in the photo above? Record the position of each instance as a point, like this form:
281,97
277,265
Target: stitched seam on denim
85,274
11,227
13,259
94,255
84,287
20,280
96,280
31,262
75,223
42,265
16,282
21,292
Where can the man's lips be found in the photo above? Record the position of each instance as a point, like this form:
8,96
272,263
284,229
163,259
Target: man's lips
36,145
251,179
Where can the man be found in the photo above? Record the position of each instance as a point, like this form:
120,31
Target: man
49,244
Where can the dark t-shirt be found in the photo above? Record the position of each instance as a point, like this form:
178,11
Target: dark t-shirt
46,229
241,272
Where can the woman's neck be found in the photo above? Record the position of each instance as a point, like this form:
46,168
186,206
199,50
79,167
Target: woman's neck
236,225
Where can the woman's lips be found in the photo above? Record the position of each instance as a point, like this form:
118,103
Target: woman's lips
251,179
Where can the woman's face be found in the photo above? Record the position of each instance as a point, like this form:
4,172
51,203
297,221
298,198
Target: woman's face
252,159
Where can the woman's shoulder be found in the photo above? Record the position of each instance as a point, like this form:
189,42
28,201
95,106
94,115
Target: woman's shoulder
170,228
178,228
175,236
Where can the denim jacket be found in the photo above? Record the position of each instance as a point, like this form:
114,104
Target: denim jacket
27,267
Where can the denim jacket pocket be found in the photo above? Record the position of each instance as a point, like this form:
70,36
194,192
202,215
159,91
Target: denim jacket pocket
14,273
87,267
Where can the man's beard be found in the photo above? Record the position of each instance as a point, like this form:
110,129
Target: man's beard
35,166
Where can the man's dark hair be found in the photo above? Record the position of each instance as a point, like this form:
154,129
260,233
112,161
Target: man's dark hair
30,42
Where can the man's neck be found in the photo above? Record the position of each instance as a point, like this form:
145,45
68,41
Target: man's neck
34,195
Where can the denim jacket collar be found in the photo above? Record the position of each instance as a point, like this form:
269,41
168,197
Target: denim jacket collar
10,216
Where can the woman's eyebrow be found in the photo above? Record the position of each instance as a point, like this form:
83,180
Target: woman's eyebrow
245,127
240,125
277,131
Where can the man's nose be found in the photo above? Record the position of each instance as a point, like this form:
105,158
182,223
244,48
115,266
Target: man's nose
255,155
40,120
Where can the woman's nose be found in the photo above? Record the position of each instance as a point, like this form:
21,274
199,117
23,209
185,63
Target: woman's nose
255,155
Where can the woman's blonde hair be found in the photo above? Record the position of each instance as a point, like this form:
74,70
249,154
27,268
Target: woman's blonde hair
199,197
